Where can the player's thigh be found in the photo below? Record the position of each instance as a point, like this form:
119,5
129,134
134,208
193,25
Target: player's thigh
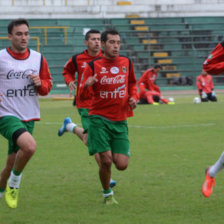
26,142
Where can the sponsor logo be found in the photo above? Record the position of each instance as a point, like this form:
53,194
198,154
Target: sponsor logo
120,92
20,74
84,65
114,70
119,79
124,69
28,90
103,70
210,56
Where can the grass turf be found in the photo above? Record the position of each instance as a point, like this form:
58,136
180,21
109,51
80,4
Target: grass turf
171,145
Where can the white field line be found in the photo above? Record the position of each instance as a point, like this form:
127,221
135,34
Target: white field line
143,126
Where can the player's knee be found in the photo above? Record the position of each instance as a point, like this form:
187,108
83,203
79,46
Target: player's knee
106,162
121,166
30,149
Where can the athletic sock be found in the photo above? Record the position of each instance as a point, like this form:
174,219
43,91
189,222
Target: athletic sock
2,191
219,165
70,127
108,192
15,179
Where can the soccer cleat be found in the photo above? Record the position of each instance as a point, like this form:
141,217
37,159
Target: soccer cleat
171,103
110,200
11,196
208,185
155,104
62,129
113,183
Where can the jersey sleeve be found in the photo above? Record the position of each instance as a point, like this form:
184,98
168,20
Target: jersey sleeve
69,71
198,84
214,64
86,92
132,88
45,77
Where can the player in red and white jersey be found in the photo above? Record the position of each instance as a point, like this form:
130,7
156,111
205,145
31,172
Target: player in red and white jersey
111,81
149,91
205,87
77,64
214,65
24,74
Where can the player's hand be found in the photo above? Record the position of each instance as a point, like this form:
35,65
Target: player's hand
213,93
91,80
132,103
71,86
36,80
203,95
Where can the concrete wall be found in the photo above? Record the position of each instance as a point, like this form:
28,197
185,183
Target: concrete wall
108,8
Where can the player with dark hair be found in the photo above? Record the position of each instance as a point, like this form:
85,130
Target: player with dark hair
77,64
205,87
149,91
111,81
24,74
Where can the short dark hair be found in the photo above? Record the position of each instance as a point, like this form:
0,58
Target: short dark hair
87,36
109,31
16,22
157,66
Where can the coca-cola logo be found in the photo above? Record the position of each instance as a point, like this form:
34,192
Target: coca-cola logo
20,74
119,79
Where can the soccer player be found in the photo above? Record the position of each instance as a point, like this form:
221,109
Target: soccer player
214,65
149,91
205,87
24,74
111,81
77,64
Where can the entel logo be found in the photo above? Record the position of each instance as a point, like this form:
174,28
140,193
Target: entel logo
120,92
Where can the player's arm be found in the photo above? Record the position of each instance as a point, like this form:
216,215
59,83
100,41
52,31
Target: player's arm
43,81
214,64
85,88
69,71
132,88
199,86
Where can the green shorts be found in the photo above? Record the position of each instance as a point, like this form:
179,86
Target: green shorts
9,125
105,135
84,113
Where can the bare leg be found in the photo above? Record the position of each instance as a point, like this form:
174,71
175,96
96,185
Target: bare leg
5,173
105,169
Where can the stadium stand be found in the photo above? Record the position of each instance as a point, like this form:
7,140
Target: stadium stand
180,44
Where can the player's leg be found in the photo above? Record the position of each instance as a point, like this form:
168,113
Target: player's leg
149,97
5,173
211,173
211,97
98,143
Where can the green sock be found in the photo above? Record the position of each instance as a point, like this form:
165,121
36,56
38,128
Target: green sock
16,173
107,191
2,190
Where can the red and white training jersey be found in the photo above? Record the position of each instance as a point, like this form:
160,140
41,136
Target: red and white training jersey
116,84
205,84
77,63
19,95
214,64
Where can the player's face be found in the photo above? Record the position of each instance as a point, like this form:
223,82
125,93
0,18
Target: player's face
93,43
111,46
19,38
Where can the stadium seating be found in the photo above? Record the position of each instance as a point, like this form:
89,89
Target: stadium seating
180,44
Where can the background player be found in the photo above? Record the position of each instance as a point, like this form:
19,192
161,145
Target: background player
77,64
205,87
149,91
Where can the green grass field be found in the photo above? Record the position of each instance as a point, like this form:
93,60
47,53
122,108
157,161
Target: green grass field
170,145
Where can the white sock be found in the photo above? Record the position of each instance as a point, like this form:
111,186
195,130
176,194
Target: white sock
14,181
70,127
108,194
219,165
